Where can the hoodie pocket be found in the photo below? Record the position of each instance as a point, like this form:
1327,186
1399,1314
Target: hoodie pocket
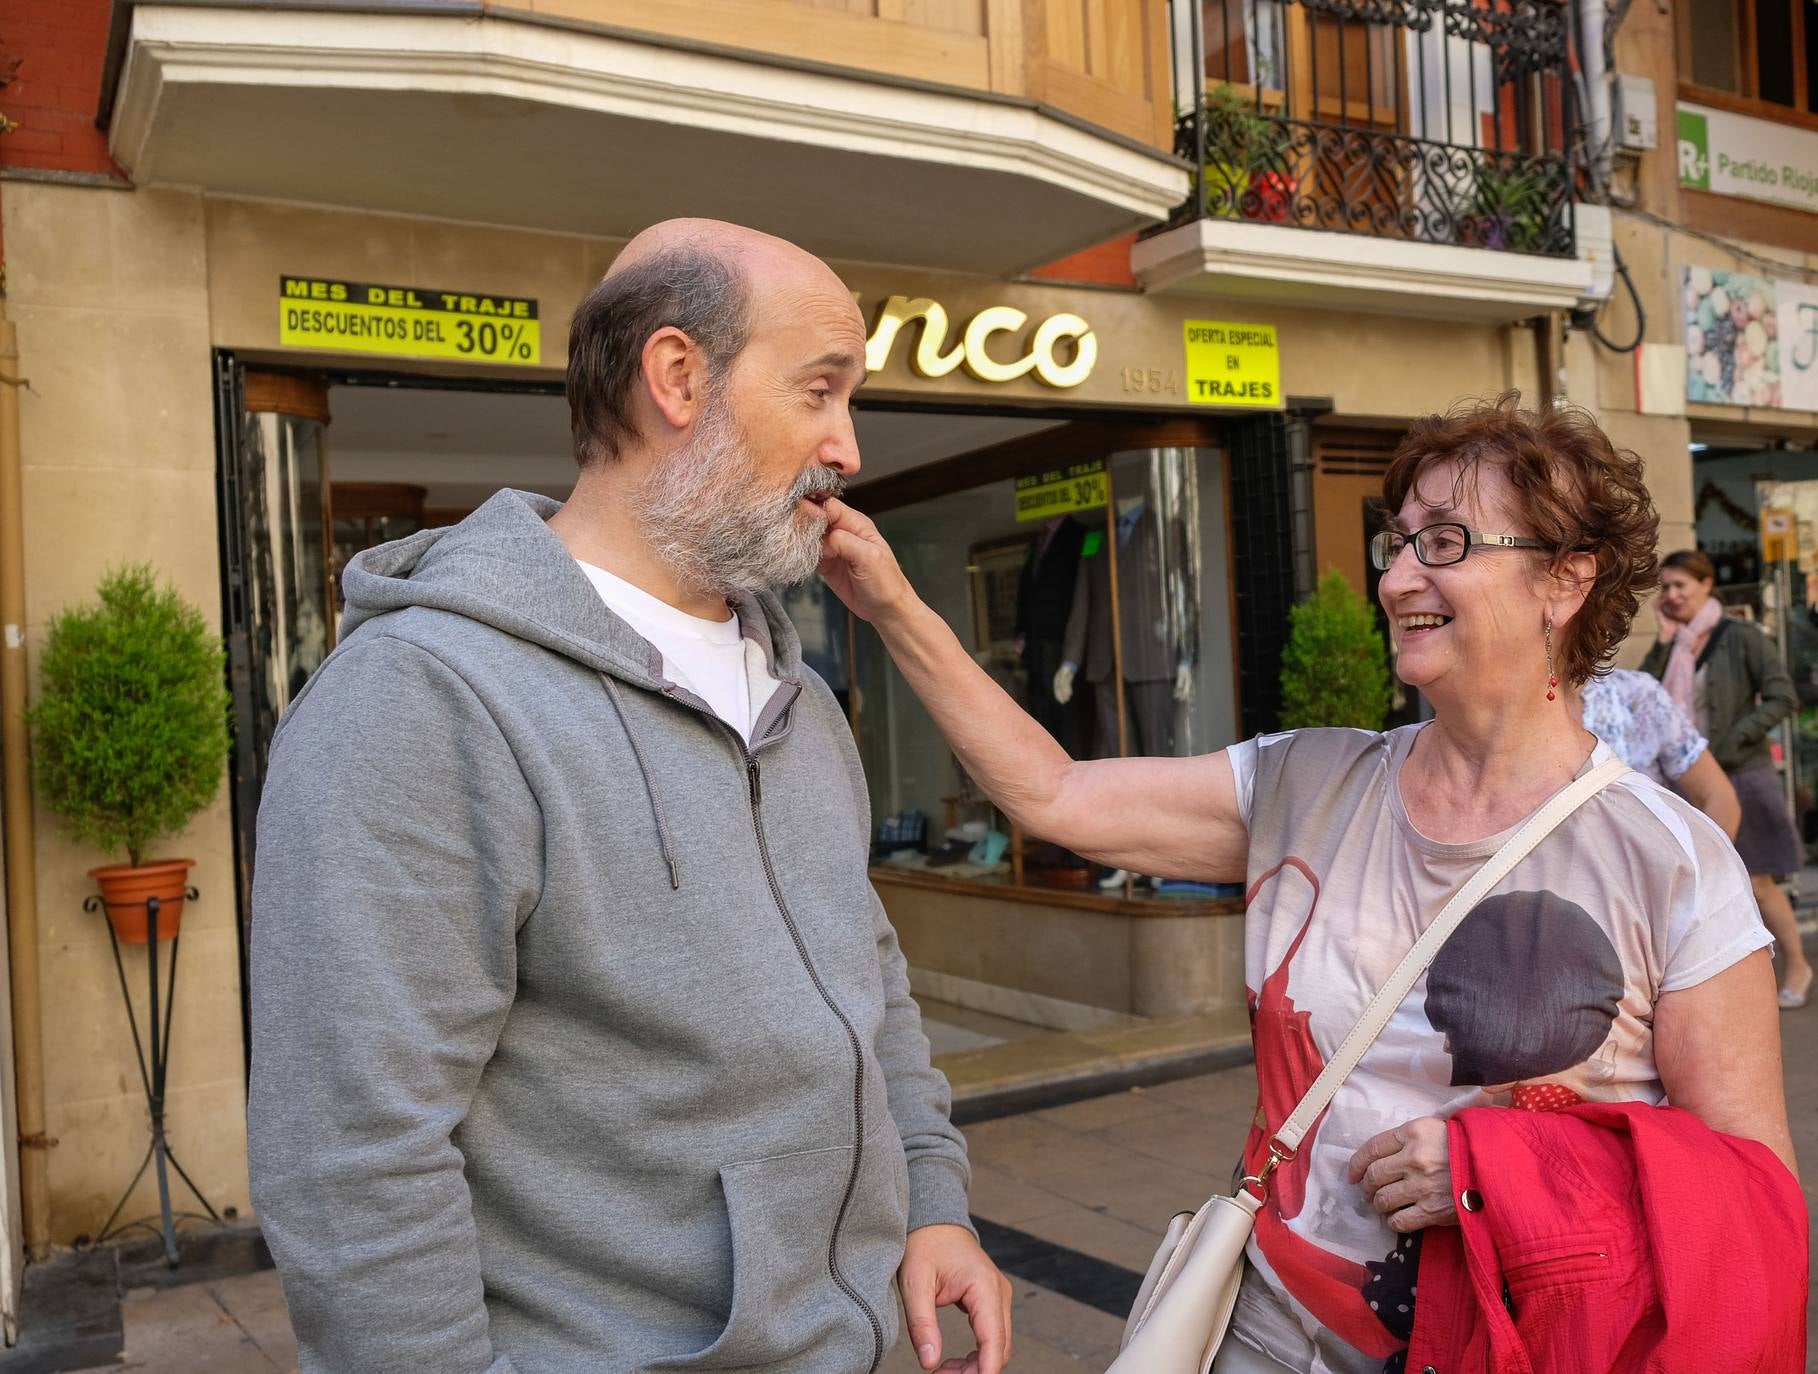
786,1312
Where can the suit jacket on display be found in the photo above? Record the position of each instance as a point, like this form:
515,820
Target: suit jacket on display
1044,593
1160,631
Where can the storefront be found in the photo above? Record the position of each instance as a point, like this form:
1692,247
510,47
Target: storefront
1752,394
1162,474
1032,452
1104,492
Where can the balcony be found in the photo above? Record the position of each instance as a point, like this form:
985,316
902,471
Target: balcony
1427,142
985,136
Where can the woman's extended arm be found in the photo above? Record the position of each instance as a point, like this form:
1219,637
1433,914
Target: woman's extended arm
1161,816
1717,1045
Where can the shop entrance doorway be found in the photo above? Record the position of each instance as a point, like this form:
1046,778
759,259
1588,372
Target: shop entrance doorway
313,466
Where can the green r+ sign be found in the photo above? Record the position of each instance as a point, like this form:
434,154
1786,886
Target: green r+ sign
1694,151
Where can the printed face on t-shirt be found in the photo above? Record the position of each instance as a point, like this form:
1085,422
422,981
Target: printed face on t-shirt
1528,986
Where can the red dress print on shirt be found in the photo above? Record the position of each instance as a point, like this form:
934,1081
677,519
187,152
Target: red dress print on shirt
1287,1062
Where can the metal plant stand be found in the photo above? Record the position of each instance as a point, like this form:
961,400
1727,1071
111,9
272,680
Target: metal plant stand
152,1074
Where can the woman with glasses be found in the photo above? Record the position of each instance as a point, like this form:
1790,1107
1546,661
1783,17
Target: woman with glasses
1625,961
1729,680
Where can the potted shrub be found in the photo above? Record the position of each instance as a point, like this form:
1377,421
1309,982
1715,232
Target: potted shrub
1335,669
1509,207
1242,153
130,736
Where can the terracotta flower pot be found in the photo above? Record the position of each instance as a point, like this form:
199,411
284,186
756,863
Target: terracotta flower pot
125,890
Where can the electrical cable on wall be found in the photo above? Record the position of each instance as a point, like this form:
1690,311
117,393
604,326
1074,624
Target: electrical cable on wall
1641,315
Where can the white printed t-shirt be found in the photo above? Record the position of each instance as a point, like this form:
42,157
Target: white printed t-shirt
705,657
1543,997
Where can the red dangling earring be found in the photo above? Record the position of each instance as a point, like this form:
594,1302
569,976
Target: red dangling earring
1552,677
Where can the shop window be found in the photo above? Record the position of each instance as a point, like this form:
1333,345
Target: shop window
1755,55
827,633
283,458
1142,669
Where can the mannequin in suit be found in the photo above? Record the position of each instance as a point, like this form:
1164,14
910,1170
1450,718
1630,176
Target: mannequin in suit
1044,597
1159,648
1160,641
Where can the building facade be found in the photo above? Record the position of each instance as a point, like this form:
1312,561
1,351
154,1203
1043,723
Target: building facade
1707,353
288,281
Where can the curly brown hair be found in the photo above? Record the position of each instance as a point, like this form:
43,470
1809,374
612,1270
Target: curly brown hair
1574,490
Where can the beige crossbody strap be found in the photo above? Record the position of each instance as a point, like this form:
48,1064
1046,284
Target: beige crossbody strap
1408,971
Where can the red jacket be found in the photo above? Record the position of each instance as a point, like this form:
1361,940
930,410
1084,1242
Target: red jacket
1627,1238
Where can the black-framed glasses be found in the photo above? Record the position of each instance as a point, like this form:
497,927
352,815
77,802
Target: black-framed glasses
1441,545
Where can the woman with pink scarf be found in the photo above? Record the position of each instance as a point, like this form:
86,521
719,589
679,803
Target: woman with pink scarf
1727,677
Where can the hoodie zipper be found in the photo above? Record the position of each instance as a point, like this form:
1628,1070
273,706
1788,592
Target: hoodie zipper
755,795
755,778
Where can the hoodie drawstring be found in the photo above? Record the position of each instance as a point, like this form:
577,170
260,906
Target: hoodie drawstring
656,802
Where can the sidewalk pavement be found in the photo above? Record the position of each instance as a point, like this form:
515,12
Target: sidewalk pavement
1070,1201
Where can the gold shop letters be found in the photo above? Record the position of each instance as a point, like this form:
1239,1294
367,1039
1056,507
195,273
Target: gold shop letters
933,358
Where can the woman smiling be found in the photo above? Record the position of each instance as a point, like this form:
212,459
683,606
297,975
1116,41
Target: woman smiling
1622,960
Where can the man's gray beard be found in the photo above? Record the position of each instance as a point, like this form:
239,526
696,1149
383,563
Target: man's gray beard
704,513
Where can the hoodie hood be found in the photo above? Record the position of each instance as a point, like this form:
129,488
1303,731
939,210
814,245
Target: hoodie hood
504,567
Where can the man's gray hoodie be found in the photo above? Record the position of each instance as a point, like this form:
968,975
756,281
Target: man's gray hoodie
580,1040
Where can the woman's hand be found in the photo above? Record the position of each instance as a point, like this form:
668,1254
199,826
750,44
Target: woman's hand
1406,1174
858,565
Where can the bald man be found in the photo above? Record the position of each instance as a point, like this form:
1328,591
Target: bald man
580,1040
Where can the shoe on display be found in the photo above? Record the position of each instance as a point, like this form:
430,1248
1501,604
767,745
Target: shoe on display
1115,879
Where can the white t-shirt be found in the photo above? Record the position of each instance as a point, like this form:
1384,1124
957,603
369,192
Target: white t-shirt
704,657
1543,997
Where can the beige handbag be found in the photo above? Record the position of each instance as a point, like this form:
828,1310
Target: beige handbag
1184,1305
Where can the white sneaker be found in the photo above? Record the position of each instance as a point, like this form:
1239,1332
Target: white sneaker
1115,879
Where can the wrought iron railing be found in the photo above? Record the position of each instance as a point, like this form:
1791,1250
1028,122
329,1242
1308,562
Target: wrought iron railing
1440,121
